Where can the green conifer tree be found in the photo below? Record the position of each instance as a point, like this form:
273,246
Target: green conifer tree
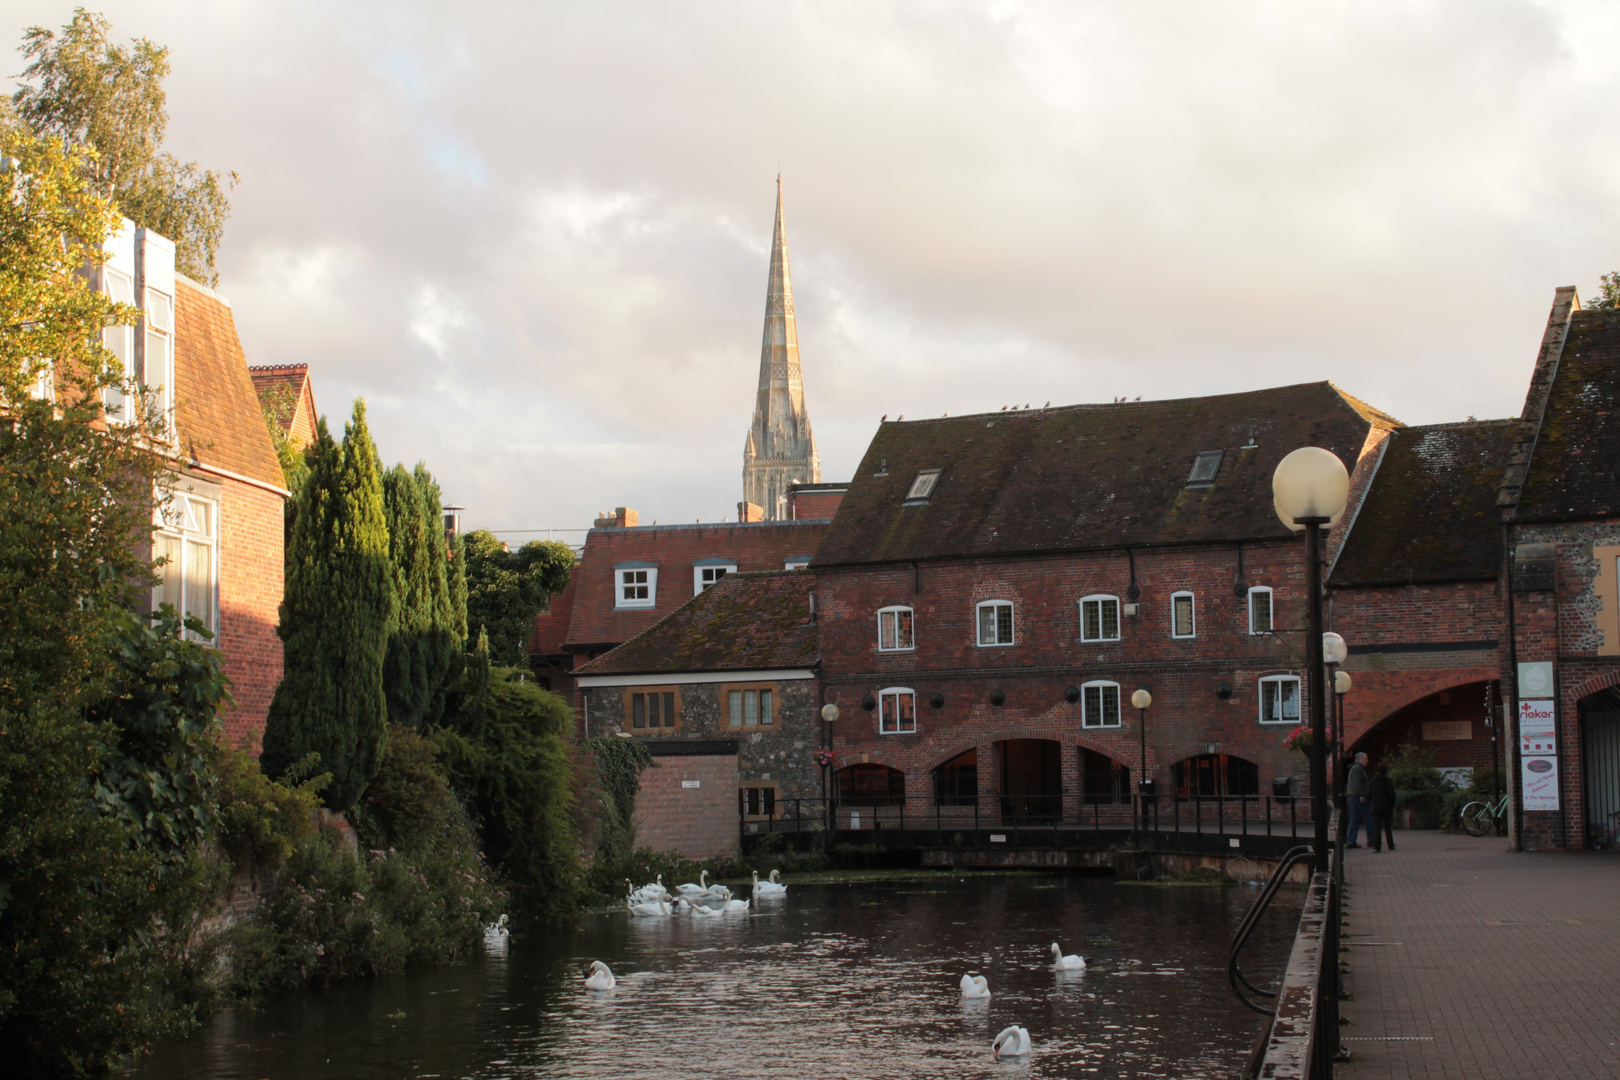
337,613
420,646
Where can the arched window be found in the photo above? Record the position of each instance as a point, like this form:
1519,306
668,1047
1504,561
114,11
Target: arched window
1183,619
1099,705
897,711
1260,609
995,622
1099,618
895,629
956,782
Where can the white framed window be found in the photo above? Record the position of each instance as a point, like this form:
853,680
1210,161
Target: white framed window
1099,618
187,543
1099,704
1260,610
1183,622
119,340
995,622
895,632
897,711
795,562
637,585
922,488
1279,699
157,365
708,571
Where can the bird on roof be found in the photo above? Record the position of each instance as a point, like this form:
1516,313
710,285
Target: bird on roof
902,417
1004,408
885,419
1048,405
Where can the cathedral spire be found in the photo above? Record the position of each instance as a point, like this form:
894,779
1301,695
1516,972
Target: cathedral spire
780,447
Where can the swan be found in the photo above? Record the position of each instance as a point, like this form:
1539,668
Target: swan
657,888
975,986
1067,963
1013,1042
697,911
496,937
648,909
699,889
735,905
768,888
600,977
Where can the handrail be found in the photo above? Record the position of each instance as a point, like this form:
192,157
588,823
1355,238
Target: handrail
1234,975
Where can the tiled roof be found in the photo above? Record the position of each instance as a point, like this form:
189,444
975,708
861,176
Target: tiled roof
294,380
1574,472
745,622
1087,476
673,549
1431,513
217,412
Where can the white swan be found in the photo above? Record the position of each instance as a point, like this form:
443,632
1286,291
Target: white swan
497,937
699,889
697,911
1012,1042
735,906
600,977
1067,963
768,888
975,986
648,909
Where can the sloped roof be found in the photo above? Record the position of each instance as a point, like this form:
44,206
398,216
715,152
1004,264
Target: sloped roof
1574,472
1087,476
217,413
293,383
1431,514
673,549
745,622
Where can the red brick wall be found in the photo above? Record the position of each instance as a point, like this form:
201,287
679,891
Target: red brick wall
1183,675
700,822
812,505
250,582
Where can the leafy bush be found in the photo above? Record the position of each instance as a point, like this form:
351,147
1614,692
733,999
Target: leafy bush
261,818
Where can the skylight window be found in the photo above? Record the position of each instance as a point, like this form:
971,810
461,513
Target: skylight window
923,486
1205,466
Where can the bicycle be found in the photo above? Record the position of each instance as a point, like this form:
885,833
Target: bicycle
1480,817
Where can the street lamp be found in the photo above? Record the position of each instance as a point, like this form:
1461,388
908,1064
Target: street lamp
1140,702
829,713
1334,651
1309,490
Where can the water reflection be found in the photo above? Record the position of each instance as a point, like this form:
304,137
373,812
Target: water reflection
829,981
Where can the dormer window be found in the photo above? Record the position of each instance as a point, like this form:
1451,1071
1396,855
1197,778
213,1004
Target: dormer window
157,368
707,572
637,585
1205,466
922,487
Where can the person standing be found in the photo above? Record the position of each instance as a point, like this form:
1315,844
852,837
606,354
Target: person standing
1355,793
1381,807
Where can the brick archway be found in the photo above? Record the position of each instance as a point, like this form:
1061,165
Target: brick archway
1593,683
1356,730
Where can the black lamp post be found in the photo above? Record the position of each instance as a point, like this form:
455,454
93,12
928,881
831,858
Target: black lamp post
1140,702
1310,489
829,713
1341,687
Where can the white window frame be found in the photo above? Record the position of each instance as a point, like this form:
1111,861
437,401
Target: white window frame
621,580
895,610
701,570
886,710
157,358
119,340
1279,680
1192,605
1271,609
796,562
922,488
1086,718
1095,598
173,520
1012,624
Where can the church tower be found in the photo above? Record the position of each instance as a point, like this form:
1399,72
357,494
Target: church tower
780,448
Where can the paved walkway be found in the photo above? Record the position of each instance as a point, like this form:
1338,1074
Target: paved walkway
1469,961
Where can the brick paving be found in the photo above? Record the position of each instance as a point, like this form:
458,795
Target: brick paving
1499,964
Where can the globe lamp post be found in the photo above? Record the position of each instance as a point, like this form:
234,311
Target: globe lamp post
1140,702
829,713
1309,490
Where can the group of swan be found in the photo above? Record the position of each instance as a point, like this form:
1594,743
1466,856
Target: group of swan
701,900
1014,1041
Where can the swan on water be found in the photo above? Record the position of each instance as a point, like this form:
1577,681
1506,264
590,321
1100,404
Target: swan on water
975,986
648,909
699,889
735,905
768,888
599,977
1067,963
496,937
1012,1042
697,911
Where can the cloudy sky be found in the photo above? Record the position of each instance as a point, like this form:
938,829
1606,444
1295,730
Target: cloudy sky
534,236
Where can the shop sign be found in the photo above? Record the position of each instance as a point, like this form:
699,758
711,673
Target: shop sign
1537,720
1536,679
1447,731
1540,783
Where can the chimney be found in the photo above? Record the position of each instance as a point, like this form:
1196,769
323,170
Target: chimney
452,521
622,518
747,511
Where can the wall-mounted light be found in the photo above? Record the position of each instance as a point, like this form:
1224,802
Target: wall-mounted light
938,700
998,697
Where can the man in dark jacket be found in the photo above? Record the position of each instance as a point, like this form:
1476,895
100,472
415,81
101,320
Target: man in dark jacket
1355,795
1381,805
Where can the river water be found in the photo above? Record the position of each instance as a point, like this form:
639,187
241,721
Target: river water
847,980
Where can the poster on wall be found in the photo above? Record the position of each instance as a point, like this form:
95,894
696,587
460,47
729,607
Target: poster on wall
1540,783
1537,722
1536,679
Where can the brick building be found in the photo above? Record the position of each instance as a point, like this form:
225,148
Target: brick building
995,587
221,532
289,395
723,690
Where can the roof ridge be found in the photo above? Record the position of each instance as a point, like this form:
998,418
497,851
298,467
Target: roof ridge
278,367
1367,412
206,290
1080,406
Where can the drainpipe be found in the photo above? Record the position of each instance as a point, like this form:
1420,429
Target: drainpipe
1510,697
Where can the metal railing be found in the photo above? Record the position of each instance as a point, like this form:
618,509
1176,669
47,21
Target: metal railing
1029,816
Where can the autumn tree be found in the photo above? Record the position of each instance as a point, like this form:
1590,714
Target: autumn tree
84,88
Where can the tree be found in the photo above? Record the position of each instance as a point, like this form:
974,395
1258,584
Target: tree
94,93
507,589
1608,295
338,610
79,899
420,648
